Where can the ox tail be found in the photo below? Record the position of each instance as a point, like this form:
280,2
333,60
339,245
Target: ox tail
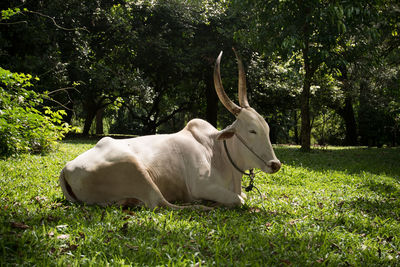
177,207
66,188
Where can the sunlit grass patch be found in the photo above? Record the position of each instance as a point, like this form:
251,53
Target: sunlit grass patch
331,206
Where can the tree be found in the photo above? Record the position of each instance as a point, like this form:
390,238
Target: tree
175,65
144,65
25,124
306,28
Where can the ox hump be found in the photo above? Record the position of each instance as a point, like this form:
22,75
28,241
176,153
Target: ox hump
110,150
104,142
199,126
201,130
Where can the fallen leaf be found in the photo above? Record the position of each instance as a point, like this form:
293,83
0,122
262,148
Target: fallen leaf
55,205
82,235
129,212
321,260
273,212
255,210
65,236
51,234
19,225
69,248
125,227
51,218
40,199
268,224
132,247
335,246
287,262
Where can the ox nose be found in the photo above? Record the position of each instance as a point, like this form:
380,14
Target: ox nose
275,165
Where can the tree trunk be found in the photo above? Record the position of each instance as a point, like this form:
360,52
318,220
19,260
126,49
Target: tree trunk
347,111
150,128
212,102
350,122
296,130
70,113
367,125
99,121
305,132
91,113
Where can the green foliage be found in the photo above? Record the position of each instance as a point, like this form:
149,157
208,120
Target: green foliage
8,13
152,55
23,126
331,207
339,43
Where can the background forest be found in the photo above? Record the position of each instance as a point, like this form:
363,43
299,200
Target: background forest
320,72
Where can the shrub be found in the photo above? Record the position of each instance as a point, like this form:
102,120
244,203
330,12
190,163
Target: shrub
26,125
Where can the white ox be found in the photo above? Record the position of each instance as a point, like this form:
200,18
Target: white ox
192,164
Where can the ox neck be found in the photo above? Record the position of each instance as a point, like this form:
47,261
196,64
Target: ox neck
231,160
250,174
233,147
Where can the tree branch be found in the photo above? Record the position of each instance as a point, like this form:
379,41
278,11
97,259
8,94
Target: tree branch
55,23
59,103
172,114
12,23
63,89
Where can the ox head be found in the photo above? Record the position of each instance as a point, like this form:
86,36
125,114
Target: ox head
250,128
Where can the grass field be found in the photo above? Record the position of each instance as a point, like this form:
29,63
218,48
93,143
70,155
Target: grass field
335,206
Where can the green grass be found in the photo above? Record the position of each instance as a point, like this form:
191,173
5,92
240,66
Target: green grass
339,206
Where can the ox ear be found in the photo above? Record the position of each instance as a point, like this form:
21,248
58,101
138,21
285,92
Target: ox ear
226,133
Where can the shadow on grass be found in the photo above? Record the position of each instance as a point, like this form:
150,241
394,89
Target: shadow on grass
55,232
385,209
354,160
135,234
140,236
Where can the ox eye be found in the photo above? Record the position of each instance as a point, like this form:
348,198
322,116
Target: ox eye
253,132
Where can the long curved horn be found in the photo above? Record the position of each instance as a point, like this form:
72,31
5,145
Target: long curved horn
242,83
223,97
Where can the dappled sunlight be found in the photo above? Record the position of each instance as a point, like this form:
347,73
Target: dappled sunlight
318,74
311,211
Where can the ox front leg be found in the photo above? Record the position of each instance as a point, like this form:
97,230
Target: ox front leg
221,195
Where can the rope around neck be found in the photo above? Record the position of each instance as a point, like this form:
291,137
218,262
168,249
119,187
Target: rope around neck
250,174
